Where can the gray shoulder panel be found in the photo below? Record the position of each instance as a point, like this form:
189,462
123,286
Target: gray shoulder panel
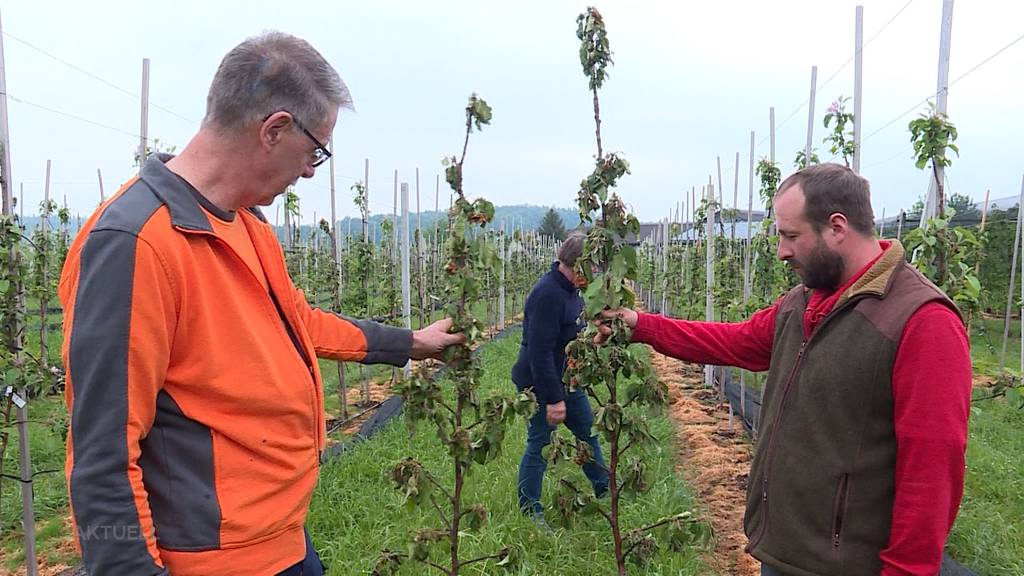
186,213
109,529
177,467
130,211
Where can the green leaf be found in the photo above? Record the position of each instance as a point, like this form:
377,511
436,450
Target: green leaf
510,557
594,298
629,253
475,517
618,267
484,207
12,377
973,285
1014,397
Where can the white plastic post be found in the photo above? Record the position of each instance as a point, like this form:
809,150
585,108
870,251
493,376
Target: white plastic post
665,226
858,84
709,303
406,299
810,116
144,123
721,189
501,278
44,223
932,206
1013,274
750,223
735,199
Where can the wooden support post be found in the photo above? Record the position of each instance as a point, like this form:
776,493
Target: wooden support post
13,338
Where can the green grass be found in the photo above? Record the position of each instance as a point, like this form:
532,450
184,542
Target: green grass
987,343
356,511
989,533
46,444
988,536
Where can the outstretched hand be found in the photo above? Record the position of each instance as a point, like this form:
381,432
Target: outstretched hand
431,341
604,330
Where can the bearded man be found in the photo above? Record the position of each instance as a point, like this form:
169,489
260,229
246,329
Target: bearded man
859,468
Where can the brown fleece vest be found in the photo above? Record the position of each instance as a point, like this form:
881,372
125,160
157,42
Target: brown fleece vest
821,486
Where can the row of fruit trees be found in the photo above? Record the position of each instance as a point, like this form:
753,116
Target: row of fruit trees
972,260
463,268
359,277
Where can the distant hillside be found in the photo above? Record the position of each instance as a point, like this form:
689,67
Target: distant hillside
523,215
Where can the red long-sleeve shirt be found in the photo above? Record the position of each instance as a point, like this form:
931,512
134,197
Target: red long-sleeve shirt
931,388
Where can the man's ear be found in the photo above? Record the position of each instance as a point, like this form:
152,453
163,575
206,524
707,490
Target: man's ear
839,225
274,127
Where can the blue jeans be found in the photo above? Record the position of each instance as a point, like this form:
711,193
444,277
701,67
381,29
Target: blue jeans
578,418
310,565
767,570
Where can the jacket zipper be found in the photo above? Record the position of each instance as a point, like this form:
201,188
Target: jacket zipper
771,444
292,337
839,510
756,539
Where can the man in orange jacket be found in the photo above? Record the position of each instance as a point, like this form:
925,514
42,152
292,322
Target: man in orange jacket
195,397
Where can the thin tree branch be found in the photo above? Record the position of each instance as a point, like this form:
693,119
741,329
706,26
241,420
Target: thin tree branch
438,566
992,397
597,122
440,512
443,490
627,447
480,559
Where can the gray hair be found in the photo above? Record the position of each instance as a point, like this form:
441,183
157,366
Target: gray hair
270,73
571,248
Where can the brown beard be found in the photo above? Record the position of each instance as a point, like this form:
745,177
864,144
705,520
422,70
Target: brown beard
822,269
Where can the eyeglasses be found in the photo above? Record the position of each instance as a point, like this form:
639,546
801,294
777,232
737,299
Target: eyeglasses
320,154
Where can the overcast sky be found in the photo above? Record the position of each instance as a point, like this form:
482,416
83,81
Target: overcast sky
690,82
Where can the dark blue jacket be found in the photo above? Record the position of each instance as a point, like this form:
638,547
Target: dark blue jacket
551,320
